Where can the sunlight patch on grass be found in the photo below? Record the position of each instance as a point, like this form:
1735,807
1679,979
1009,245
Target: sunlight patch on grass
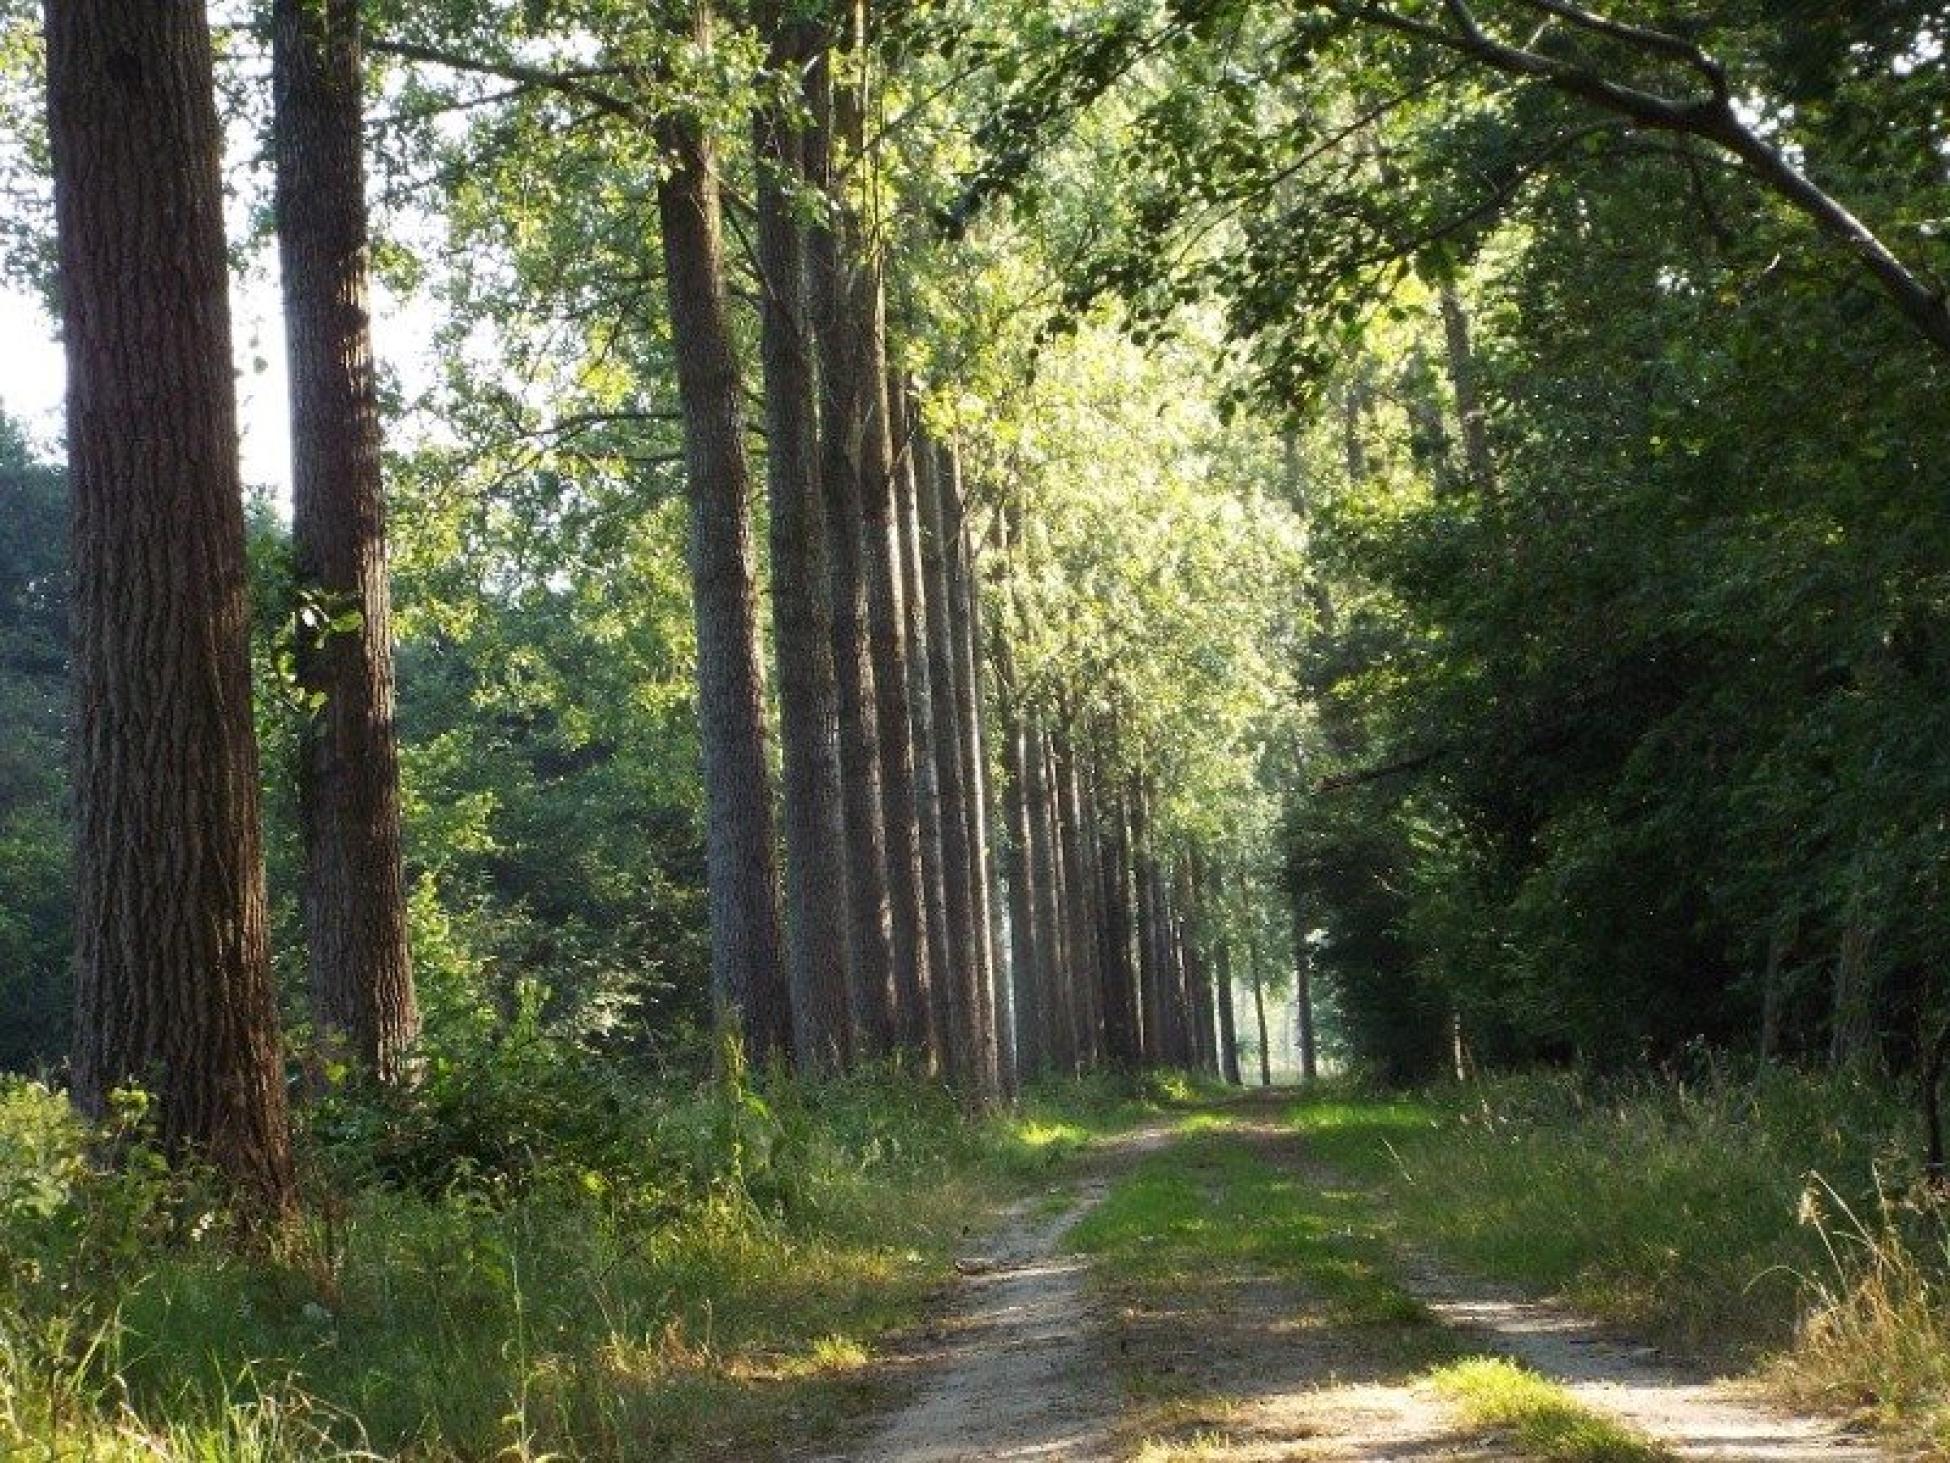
1542,1419
1039,1134
1212,1209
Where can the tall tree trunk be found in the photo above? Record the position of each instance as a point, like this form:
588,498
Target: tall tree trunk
965,623
1303,996
172,972
968,1048
1025,942
816,893
1120,986
1029,1028
861,316
1081,883
348,767
1228,1018
1259,1011
933,1025
894,689
1205,1038
1188,1050
1058,1036
870,939
1151,942
747,974
1064,992
1469,401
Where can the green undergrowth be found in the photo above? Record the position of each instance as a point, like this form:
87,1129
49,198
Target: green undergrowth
1540,1418
1778,1222
537,1257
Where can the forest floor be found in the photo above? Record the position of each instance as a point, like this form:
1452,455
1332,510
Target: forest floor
1208,1289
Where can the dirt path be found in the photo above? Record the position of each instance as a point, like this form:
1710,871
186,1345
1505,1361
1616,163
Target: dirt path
1241,1358
1017,1369
1694,1415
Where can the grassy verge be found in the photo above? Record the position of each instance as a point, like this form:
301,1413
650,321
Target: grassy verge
1186,1228
1777,1223
711,1287
1211,1207
1541,1419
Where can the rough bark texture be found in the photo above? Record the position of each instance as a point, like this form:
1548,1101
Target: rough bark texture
870,937
930,1026
172,977
816,893
967,1053
348,768
747,974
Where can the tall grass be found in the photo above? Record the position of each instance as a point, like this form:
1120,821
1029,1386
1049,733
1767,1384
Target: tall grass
1779,1220
1876,1336
648,1272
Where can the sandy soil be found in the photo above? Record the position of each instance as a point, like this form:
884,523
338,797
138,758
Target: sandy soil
1017,1369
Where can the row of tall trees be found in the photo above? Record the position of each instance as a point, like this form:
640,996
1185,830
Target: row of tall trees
996,863
1615,335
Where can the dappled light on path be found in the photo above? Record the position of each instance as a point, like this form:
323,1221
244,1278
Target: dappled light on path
1694,1416
1016,1371
1235,1302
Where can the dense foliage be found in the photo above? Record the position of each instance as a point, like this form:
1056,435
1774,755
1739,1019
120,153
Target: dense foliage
1436,510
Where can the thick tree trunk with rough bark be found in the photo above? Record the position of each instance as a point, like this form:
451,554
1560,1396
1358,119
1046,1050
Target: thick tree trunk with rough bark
348,770
747,973
870,937
928,1027
816,893
852,328
172,971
